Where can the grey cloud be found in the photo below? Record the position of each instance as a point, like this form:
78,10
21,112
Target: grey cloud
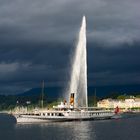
37,39
108,21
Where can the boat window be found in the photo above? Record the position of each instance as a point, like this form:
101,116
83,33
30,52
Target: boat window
48,114
60,114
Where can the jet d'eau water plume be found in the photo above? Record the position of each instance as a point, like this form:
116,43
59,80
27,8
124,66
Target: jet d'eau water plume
78,81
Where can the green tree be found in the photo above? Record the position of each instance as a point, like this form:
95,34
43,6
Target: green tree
121,97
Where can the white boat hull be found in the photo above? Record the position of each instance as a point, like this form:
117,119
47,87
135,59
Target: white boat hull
25,118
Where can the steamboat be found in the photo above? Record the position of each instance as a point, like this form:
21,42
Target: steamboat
63,112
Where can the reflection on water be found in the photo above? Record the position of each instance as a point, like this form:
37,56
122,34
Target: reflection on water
121,129
64,130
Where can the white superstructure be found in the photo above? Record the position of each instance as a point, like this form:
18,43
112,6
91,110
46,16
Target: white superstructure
63,114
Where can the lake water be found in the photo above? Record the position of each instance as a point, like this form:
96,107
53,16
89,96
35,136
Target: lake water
127,128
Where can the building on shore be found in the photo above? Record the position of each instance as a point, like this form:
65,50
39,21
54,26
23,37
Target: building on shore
126,104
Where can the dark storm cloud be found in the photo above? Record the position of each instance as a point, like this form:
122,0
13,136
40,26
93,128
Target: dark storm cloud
44,20
37,39
114,65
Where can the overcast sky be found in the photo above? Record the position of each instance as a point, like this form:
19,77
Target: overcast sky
37,38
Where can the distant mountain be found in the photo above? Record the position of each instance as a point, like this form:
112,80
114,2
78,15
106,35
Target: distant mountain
50,92
53,93
102,91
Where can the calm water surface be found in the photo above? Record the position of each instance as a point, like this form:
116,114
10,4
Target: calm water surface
127,128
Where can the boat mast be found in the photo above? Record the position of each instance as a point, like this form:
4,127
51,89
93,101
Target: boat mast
42,94
95,99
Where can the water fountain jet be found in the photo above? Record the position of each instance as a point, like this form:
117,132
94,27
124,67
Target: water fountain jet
78,81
